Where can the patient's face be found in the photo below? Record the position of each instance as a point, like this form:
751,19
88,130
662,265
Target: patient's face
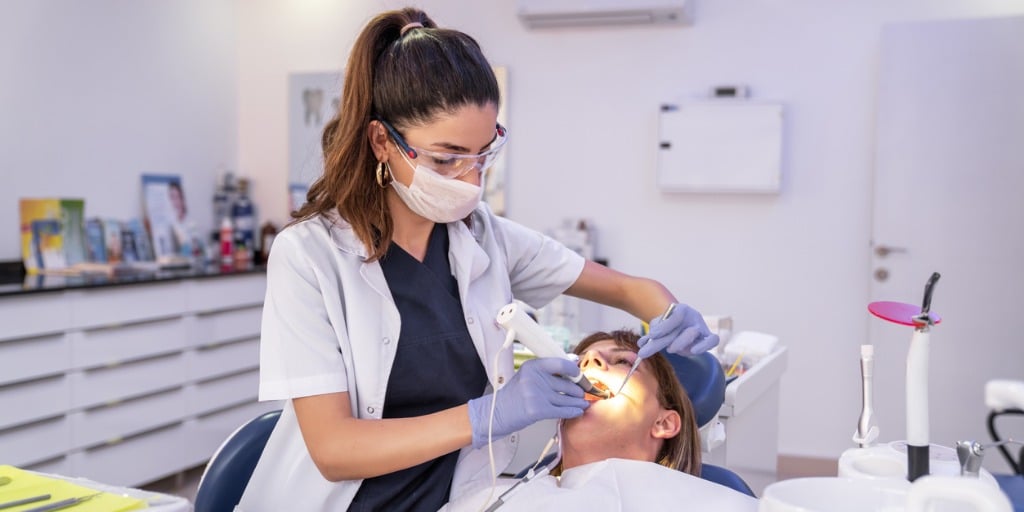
619,426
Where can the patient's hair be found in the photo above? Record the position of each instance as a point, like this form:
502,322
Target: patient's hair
681,452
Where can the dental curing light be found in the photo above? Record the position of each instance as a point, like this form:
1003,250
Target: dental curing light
922,320
526,331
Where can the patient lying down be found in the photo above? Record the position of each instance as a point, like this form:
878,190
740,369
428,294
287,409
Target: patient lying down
638,450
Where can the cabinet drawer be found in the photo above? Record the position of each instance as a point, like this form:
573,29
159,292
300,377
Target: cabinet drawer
36,442
206,433
127,304
227,292
34,400
220,393
105,346
58,466
106,423
32,315
23,359
115,383
134,461
224,359
228,325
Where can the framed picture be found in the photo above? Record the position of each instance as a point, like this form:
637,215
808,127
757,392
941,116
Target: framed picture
494,180
313,99
166,214
297,195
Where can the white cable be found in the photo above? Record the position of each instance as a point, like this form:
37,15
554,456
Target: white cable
490,420
544,452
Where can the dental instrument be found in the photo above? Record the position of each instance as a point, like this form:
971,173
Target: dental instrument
514,319
867,431
63,504
735,366
917,372
24,501
636,364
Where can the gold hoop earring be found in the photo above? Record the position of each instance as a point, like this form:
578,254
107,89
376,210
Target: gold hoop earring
383,174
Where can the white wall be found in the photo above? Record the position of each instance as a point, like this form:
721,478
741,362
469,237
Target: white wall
583,110
94,94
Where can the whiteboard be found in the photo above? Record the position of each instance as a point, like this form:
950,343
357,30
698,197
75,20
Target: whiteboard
720,146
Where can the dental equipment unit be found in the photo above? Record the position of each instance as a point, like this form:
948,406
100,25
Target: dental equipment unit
636,363
917,372
911,475
526,331
971,453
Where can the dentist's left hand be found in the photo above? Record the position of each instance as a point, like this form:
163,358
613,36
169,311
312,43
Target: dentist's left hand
683,332
536,392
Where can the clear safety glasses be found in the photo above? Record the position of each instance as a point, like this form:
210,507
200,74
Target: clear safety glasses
450,165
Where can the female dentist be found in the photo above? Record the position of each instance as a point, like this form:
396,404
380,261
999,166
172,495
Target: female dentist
378,325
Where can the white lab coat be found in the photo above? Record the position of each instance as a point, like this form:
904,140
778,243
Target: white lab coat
330,325
618,485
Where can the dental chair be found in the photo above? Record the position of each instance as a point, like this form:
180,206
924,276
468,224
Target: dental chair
229,470
704,381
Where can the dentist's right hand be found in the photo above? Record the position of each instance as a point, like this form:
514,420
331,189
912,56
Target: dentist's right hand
536,392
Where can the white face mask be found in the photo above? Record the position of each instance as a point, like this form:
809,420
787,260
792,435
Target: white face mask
437,198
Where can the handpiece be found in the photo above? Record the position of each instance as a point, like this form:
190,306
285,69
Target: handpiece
513,318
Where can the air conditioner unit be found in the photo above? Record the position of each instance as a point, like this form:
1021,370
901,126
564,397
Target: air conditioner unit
570,13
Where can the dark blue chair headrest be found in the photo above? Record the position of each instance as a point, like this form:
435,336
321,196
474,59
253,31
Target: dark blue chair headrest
704,381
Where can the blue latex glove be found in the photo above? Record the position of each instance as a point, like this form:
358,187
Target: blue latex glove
683,332
534,393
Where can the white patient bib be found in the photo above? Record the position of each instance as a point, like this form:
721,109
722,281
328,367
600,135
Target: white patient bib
614,485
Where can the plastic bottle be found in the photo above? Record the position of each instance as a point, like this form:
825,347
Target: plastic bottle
227,241
222,197
243,214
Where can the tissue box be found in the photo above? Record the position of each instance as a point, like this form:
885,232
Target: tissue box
750,347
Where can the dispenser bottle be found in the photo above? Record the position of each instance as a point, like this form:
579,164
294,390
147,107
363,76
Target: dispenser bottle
227,242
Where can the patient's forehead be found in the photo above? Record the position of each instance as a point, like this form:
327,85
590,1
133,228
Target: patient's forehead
613,344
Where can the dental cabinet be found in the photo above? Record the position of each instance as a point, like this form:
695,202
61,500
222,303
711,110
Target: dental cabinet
127,382
750,417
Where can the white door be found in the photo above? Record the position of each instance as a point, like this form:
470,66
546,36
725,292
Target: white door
949,197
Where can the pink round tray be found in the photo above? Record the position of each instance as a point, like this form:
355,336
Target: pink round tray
899,312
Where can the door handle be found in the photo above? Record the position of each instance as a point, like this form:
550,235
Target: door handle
884,250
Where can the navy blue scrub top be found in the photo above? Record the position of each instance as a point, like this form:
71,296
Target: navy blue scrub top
436,367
